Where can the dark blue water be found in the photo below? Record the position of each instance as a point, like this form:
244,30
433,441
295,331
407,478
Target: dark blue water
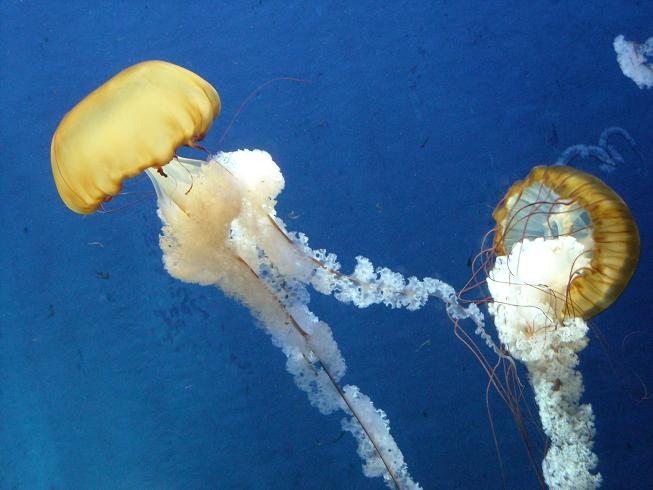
417,118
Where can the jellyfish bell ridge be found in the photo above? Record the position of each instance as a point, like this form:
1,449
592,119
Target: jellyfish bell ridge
558,201
134,121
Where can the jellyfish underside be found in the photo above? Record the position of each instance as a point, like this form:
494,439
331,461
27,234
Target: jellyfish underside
559,201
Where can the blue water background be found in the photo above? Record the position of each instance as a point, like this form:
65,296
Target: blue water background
417,118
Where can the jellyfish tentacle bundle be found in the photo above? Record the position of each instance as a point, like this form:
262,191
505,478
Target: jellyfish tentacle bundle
221,234
526,319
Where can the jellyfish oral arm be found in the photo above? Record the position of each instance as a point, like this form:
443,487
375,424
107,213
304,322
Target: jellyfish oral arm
369,425
368,285
225,233
529,291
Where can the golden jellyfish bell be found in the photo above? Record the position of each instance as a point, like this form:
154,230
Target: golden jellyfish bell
557,201
136,120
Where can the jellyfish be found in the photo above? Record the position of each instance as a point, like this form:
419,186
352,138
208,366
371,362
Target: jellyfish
135,121
220,228
565,247
635,60
606,154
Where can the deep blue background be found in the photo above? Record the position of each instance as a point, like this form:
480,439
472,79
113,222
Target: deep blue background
418,117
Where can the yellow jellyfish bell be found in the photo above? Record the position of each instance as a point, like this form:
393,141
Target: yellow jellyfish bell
135,121
558,201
